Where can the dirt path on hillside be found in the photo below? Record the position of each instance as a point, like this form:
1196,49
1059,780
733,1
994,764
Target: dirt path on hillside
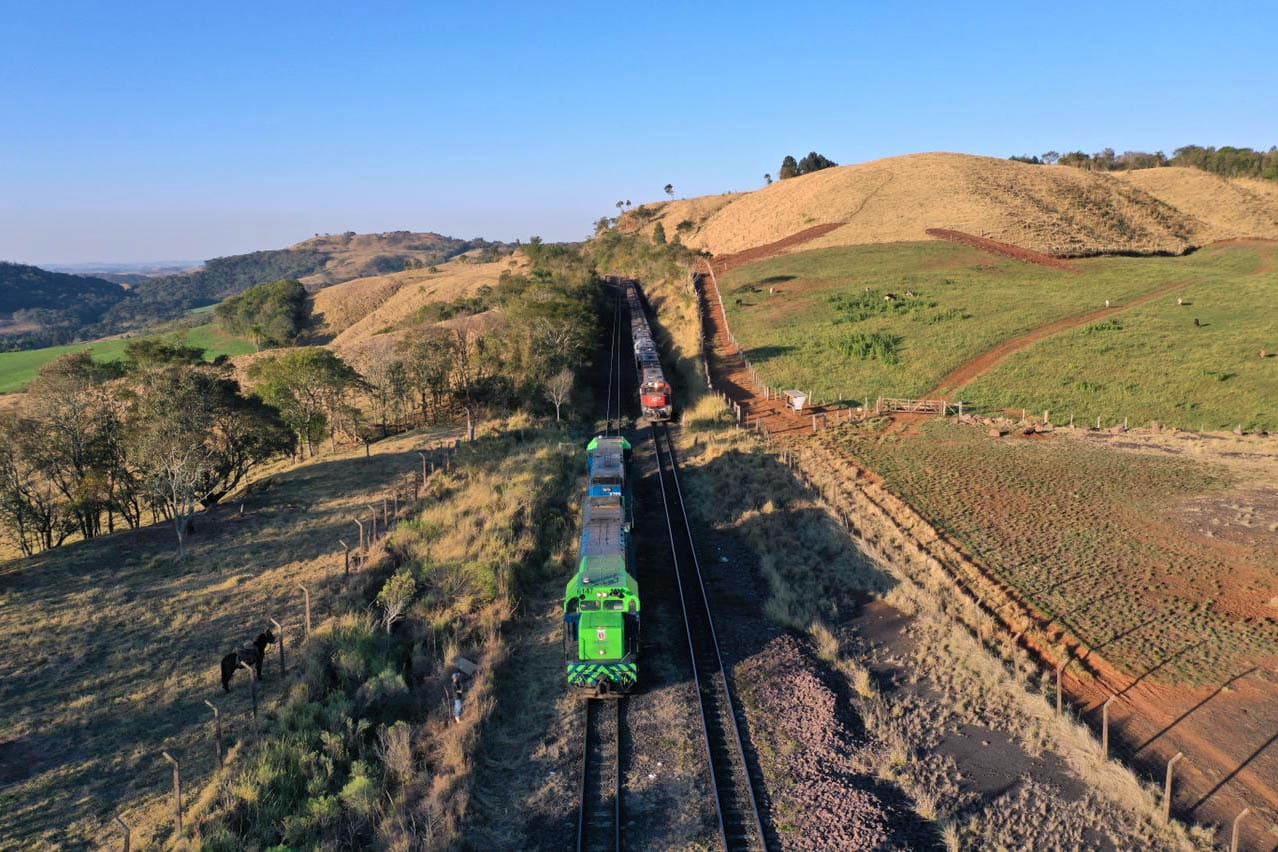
1004,249
724,263
991,358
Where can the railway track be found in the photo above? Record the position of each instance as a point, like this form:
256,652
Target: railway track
736,805
599,818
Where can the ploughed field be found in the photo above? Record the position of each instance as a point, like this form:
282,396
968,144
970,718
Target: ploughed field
1164,565
933,318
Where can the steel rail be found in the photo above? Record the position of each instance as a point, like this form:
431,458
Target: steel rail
740,826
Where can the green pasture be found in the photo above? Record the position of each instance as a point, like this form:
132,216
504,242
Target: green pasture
806,320
17,369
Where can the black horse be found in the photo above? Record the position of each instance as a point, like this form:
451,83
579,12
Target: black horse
252,655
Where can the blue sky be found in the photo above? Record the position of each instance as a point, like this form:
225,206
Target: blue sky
150,131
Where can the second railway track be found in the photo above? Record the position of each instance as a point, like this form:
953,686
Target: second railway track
740,826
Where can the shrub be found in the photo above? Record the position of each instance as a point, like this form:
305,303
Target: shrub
872,346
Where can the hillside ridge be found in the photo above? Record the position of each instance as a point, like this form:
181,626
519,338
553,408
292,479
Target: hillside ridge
1055,210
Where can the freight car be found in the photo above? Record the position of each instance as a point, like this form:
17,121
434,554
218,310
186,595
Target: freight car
654,390
601,601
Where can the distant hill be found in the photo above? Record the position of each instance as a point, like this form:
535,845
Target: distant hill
41,308
318,262
1052,209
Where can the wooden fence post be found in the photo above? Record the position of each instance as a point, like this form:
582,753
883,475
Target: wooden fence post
253,689
346,557
128,833
1167,786
372,535
1060,667
385,513
1233,842
360,524
217,730
306,594
1105,725
279,637
177,790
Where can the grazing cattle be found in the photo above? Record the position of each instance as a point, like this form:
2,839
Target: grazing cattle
889,297
1180,300
1197,323
909,294
252,656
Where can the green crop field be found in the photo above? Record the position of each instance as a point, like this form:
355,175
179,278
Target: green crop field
17,369
1093,536
819,320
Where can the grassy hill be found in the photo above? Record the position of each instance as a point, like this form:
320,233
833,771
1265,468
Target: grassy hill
819,320
1052,209
17,369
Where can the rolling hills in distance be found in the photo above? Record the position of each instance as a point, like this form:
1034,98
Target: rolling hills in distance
42,308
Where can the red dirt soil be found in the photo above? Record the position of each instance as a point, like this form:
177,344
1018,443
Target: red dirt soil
1005,249
991,358
723,263
1221,773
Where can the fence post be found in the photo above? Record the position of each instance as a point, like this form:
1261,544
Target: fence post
279,634
253,689
385,514
360,524
128,833
372,528
1167,787
306,594
346,557
813,422
1060,667
1233,842
395,504
1105,725
217,730
177,790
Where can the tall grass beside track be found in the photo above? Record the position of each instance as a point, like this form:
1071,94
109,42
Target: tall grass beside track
363,752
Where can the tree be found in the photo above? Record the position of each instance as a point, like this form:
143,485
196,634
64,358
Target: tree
309,387
789,168
659,234
149,353
71,401
815,162
194,437
272,314
559,388
767,180
1051,157
669,188
31,507
396,596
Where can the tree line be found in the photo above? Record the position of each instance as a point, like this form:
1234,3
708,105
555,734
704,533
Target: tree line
1226,161
98,447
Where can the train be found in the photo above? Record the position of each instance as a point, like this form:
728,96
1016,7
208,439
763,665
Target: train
655,399
601,601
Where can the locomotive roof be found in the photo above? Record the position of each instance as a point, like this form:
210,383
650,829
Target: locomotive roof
653,374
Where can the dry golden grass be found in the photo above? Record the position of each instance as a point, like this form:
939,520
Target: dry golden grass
1053,209
357,255
1228,208
108,648
670,213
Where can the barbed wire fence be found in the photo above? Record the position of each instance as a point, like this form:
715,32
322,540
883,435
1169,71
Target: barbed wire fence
404,496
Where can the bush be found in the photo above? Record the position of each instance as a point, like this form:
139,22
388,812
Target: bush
872,346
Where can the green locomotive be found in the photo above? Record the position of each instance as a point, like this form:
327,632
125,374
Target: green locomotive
601,601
